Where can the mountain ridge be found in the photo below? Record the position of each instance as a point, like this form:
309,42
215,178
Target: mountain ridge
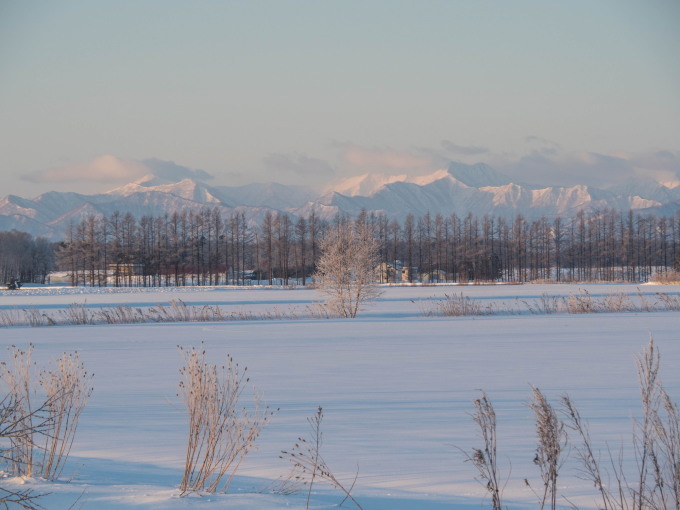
461,189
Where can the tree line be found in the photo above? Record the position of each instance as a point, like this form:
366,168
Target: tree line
206,247
25,258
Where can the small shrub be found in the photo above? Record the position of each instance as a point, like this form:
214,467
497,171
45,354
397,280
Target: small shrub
669,277
545,305
221,432
669,301
457,306
52,415
67,390
616,303
122,314
581,303
77,314
17,376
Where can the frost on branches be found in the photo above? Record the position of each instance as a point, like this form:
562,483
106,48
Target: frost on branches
347,270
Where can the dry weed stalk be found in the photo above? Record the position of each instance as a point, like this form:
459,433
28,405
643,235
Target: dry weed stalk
67,390
655,485
221,432
590,462
645,305
643,439
552,439
666,428
485,459
548,304
309,465
617,303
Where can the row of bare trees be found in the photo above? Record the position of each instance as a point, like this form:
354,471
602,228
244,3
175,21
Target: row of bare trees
207,248
189,248
24,258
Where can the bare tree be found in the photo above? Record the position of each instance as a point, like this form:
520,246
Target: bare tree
347,270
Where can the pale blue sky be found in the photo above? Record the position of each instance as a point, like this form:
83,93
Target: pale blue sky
306,91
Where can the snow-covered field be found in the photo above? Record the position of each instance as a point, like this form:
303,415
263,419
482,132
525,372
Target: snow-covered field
396,388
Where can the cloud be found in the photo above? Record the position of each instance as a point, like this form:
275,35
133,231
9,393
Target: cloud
299,165
111,170
463,150
448,151
543,145
383,159
174,172
105,168
662,165
548,165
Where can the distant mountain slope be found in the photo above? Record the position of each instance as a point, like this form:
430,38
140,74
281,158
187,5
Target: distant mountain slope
460,189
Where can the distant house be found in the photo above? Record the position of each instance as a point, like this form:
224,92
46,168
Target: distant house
388,273
435,276
409,274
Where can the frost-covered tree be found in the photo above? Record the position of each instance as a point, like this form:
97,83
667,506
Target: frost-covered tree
347,270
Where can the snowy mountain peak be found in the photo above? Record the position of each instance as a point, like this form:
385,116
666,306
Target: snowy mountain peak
364,185
461,189
478,175
424,180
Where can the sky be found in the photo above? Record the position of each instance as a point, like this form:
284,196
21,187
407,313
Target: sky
94,94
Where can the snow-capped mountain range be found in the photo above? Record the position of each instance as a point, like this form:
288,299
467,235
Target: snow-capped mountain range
460,189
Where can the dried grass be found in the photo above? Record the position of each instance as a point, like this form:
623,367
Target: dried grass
456,306
485,458
552,440
653,483
221,431
67,390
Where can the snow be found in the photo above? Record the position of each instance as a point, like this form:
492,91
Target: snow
396,388
459,189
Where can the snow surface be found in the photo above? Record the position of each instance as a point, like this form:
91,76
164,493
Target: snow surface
396,388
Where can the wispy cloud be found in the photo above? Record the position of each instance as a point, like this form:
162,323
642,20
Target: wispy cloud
298,165
549,165
174,172
543,146
447,151
463,150
105,168
383,159
111,170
